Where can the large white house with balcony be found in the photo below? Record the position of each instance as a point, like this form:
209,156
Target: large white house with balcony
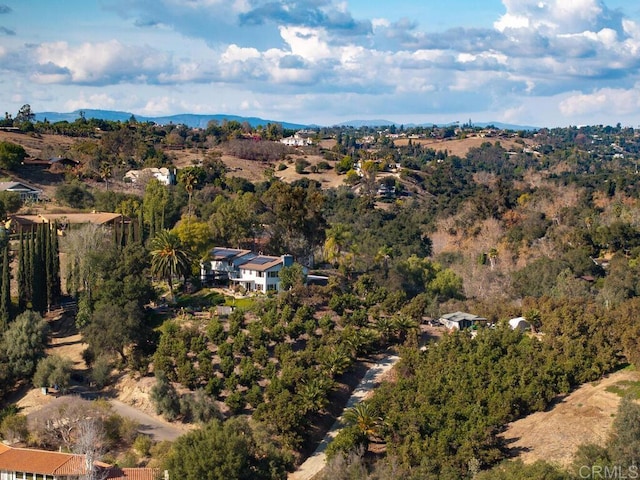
254,272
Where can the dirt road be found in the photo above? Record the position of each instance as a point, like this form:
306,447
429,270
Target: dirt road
159,430
316,462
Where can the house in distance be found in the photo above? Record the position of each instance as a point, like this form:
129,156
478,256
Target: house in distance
461,320
254,272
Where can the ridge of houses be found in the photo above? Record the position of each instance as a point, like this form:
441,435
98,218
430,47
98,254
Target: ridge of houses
33,464
252,271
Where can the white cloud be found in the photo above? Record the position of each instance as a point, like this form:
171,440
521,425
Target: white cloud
611,101
306,42
98,63
96,100
235,53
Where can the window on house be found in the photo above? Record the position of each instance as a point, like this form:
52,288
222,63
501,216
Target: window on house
260,274
271,287
272,274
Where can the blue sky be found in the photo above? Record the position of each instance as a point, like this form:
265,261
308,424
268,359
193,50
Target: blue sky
527,62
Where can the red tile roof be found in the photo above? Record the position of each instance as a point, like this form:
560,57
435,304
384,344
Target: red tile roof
41,461
134,474
63,464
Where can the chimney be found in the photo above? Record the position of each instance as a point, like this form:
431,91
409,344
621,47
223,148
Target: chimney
287,260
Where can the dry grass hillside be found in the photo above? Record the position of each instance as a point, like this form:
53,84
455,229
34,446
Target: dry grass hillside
46,146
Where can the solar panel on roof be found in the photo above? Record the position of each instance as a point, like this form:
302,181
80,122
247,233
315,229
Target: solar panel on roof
261,260
225,252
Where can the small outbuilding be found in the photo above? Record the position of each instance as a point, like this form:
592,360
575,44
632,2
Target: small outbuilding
519,323
460,320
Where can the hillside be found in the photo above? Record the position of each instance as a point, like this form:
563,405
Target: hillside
49,145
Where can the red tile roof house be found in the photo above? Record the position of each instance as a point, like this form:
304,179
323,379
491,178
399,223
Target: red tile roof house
31,464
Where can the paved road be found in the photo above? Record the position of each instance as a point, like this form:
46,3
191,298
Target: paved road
158,429
316,462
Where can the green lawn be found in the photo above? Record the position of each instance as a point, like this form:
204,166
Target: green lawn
626,387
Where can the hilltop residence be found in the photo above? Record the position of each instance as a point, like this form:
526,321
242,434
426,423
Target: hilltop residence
254,272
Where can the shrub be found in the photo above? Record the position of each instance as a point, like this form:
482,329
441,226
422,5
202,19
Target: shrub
142,445
165,398
101,372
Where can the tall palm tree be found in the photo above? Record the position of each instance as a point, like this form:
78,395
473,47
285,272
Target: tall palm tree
169,258
190,179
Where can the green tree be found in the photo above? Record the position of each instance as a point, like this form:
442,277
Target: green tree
154,206
5,291
25,114
11,155
189,177
194,234
221,451
53,371
23,344
291,276
624,445
114,328
169,259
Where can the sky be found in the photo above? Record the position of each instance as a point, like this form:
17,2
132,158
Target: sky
524,62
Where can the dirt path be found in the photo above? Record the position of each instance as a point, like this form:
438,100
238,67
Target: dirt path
159,430
584,416
316,462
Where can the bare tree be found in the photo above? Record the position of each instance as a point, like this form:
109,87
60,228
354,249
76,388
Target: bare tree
90,439
58,424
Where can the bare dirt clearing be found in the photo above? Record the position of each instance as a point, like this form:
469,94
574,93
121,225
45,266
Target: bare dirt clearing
584,416
129,397
460,147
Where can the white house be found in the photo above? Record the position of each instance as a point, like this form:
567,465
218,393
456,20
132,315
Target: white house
297,140
163,175
25,191
254,272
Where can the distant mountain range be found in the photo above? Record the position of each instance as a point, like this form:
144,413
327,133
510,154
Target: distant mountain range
190,119
201,121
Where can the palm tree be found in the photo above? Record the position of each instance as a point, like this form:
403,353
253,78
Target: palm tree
361,416
313,393
404,325
338,237
385,327
190,179
169,258
105,173
337,361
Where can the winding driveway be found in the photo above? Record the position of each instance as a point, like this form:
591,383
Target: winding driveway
316,462
157,429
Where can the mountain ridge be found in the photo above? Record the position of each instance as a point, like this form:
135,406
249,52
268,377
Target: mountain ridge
195,120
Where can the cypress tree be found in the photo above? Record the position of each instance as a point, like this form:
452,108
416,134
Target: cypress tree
5,291
48,263
39,271
55,262
121,237
22,275
130,233
141,238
